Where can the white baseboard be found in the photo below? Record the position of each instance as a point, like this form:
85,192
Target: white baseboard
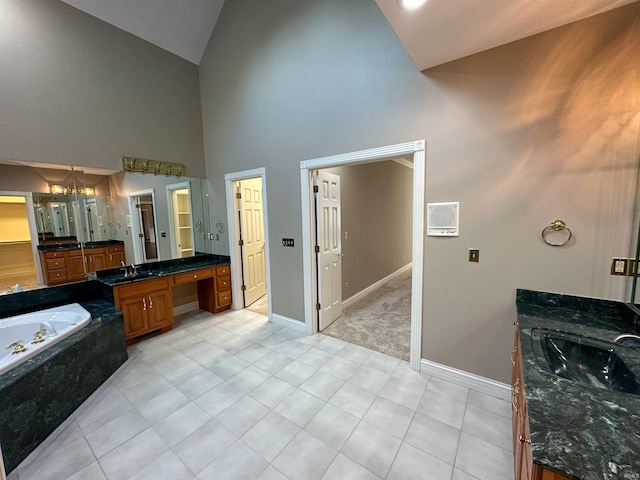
186,308
288,322
466,379
375,286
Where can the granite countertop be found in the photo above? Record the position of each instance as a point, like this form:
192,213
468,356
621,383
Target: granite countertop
102,312
578,430
147,271
76,245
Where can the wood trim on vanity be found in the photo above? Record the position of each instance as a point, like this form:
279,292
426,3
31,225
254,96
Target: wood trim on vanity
148,304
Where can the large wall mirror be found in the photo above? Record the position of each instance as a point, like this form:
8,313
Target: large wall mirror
56,205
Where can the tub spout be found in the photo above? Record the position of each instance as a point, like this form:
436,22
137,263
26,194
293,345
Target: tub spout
49,329
625,336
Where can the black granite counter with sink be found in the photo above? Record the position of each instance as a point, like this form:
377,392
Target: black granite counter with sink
39,394
145,271
55,247
582,390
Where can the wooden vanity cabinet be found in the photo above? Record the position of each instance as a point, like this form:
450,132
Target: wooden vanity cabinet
222,288
54,267
64,266
214,286
147,307
114,256
95,259
524,467
75,265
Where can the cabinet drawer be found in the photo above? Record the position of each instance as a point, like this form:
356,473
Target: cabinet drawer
57,275
115,249
74,253
192,276
56,263
142,288
49,255
223,283
224,298
222,270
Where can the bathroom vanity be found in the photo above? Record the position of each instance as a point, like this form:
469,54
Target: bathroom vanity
145,296
575,393
67,262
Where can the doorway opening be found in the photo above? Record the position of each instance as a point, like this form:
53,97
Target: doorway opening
18,242
248,237
364,226
143,226
414,150
181,219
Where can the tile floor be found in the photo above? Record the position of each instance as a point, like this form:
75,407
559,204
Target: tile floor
231,396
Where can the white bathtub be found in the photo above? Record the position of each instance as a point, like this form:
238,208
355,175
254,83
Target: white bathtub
54,324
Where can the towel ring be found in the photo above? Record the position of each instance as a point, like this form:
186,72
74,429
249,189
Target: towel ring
556,226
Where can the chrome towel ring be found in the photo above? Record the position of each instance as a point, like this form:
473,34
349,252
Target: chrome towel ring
556,226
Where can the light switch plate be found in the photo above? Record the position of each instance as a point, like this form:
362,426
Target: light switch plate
474,255
619,266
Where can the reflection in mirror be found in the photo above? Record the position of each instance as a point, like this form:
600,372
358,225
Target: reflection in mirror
55,218
16,257
94,209
181,219
143,226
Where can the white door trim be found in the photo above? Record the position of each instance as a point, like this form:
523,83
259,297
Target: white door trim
172,224
417,150
138,251
233,224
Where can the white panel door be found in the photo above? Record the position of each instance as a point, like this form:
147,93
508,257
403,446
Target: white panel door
330,248
252,233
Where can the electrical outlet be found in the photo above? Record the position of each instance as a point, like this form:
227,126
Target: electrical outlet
346,285
619,266
346,236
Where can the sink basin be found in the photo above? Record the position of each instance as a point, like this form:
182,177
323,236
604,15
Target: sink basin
584,361
138,276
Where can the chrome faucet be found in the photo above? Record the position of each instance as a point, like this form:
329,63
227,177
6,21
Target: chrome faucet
129,270
624,336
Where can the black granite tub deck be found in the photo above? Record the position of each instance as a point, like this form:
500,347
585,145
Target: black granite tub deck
41,393
577,430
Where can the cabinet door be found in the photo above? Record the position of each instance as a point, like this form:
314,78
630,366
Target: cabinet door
135,316
75,267
114,256
96,259
159,309
114,259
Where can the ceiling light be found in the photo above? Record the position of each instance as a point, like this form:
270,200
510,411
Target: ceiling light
410,4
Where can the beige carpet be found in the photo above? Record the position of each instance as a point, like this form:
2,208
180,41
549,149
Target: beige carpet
259,306
380,321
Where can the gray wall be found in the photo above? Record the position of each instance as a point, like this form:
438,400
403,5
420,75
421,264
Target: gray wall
376,200
78,91
543,128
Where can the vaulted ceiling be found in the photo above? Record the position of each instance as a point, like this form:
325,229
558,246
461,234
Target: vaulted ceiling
438,32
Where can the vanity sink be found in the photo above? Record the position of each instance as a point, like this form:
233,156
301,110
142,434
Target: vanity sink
141,275
583,360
